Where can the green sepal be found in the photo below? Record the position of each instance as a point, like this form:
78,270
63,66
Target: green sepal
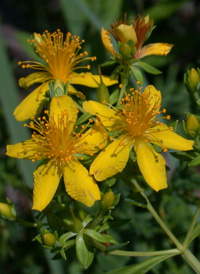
111,181
84,255
148,68
103,238
136,199
137,74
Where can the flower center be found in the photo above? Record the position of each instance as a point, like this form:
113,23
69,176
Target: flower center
61,55
139,113
55,141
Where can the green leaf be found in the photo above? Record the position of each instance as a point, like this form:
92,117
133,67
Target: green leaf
84,256
9,97
140,268
83,118
195,161
108,63
136,199
66,236
183,156
148,68
195,233
137,74
103,238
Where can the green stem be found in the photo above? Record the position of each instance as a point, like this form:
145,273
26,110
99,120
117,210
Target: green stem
186,253
26,223
125,75
174,251
194,220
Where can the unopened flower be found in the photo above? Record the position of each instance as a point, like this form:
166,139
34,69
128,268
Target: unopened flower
136,126
56,140
137,32
61,57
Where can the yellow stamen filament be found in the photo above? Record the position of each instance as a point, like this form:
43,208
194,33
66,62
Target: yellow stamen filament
61,55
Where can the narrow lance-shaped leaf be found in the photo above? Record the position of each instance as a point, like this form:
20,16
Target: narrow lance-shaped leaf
84,256
148,68
140,268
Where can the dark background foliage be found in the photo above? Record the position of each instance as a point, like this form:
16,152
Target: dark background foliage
178,22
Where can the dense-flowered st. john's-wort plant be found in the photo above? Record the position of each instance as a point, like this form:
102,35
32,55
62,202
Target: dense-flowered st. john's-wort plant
83,147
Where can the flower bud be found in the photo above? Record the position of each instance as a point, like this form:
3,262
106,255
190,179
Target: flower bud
7,211
102,92
108,198
37,37
125,33
49,239
192,125
78,226
126,51
194,77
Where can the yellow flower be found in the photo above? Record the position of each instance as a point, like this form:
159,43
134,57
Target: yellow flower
138,31
137,127
56,141
61,56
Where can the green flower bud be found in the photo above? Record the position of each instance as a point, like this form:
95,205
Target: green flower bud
126,51
78,226
194,77
49,239
37,37
7,211
102,92
108,198
192,125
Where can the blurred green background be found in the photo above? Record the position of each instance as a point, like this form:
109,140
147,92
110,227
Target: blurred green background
178,22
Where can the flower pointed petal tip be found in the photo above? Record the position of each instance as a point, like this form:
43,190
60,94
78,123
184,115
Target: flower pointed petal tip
155,49
46,180
31,105
106,39
171,139
151,165
80,185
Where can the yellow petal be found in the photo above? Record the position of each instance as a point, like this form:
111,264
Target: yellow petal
151,165
93,140
170,139
125,33
79,184
46,180
106,39
109,118
35,77
32,104
64,104
24,150
111,160
73,91
154,97
155,49
90,80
